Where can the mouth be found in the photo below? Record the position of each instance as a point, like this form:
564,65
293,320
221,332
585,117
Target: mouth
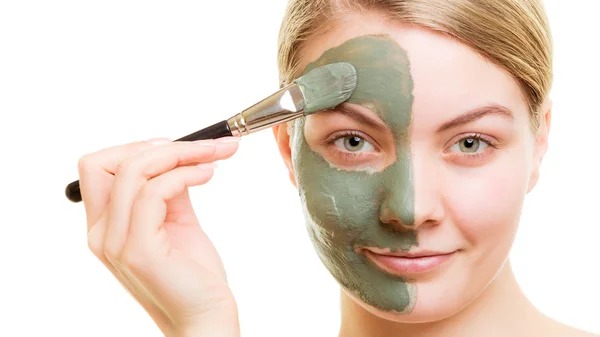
406,263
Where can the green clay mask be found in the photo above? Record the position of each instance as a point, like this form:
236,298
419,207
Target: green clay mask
343,208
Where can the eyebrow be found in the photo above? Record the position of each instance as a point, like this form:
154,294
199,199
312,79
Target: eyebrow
475,114
358,116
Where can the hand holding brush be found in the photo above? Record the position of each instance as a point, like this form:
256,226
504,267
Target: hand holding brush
140,220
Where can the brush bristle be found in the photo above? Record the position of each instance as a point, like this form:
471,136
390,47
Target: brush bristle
327,86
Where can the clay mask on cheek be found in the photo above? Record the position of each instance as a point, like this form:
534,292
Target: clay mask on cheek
343,209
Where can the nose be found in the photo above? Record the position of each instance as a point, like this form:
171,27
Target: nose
397,208
413,197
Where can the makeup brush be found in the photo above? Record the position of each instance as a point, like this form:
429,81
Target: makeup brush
320,89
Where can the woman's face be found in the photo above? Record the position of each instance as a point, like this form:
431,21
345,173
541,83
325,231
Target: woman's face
430,159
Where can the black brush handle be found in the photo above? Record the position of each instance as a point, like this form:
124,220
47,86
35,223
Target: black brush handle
218,130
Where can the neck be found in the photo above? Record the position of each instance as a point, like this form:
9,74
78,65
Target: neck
502,309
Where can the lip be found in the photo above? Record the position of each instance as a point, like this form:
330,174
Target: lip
405,263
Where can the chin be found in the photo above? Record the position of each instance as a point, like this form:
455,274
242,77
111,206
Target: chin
437,297
430,306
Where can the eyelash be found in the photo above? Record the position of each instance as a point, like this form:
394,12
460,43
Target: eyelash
474,157
349,156
356,157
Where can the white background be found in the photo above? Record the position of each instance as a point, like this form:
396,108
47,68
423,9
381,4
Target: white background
78,76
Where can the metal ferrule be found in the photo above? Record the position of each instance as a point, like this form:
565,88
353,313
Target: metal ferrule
283,106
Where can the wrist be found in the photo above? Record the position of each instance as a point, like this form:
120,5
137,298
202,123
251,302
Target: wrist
213,324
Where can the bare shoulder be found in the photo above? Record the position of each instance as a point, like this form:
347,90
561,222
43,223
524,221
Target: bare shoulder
572,332
579,333
563,330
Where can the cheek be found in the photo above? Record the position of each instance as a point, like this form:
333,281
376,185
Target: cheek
337,202
486,202
343,204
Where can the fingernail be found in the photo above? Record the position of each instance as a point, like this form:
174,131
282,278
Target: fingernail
227,140
158,141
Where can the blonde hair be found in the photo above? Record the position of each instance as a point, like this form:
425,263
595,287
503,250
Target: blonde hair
513,34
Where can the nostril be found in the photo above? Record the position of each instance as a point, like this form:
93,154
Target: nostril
393,221
397,227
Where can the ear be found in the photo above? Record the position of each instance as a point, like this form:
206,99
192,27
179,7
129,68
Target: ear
541,142
282,138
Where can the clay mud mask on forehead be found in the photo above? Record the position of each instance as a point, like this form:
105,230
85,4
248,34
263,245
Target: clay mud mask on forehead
343,208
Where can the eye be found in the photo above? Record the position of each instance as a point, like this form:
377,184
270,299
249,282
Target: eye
353,143
471,144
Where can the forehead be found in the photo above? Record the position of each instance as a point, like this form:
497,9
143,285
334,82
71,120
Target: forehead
384,83
448,77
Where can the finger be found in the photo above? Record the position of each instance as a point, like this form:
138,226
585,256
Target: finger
96,175
135,171
95,244
151,206
180,209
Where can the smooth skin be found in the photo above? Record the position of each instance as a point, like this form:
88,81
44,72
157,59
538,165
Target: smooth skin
468,204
